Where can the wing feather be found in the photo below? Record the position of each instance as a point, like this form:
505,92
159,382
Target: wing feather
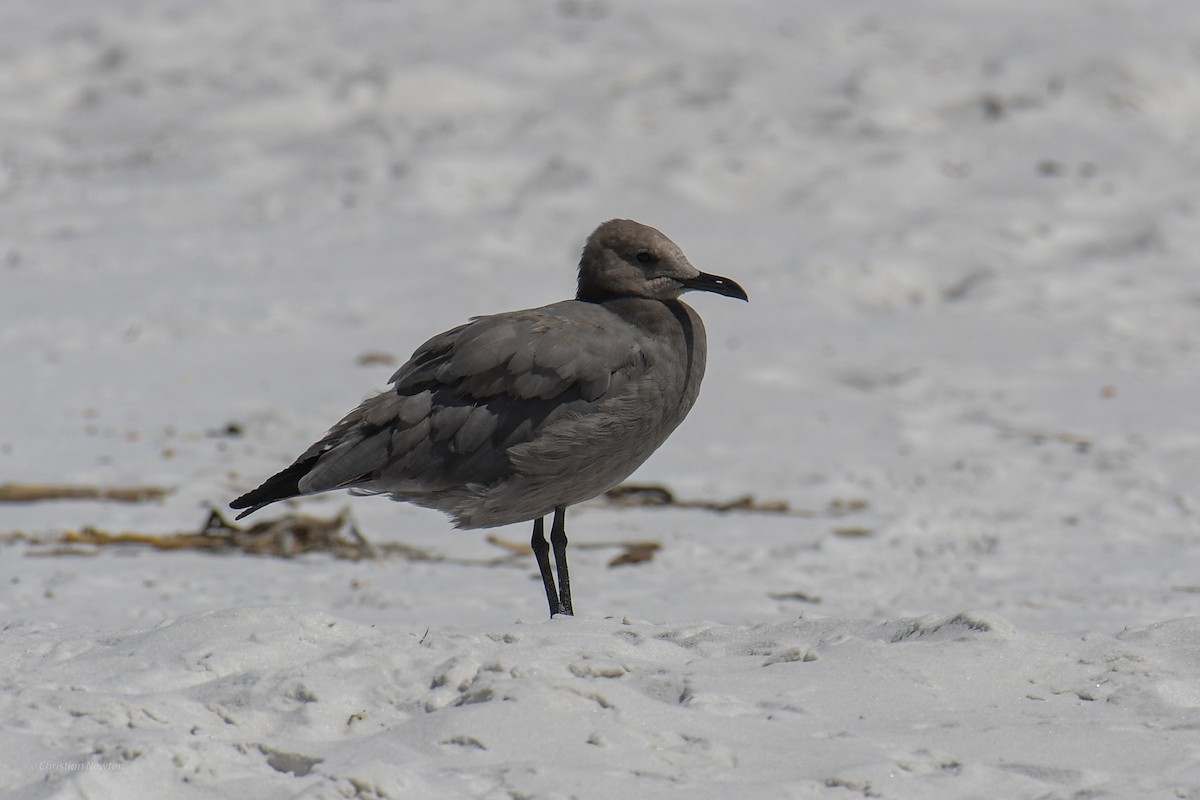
457,409
524,355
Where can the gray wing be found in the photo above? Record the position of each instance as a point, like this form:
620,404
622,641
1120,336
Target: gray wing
525,355
465,398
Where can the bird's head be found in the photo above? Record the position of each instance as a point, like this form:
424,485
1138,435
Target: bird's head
623,258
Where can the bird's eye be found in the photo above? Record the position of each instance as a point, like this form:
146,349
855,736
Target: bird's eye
645,257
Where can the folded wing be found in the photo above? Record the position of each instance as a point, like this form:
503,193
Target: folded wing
463,400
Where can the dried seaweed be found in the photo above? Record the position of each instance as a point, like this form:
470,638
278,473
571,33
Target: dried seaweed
293,535
39,492
635,553
631,552
284,537
803,597
631,495
853,532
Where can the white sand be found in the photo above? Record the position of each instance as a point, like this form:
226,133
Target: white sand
969,233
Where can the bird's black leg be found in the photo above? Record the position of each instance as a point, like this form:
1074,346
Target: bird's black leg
541,551
558,539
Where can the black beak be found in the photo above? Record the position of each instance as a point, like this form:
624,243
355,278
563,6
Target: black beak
715,283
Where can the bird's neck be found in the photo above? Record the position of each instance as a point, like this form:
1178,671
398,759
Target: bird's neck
592,294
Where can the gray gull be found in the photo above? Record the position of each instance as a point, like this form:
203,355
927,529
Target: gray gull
513,416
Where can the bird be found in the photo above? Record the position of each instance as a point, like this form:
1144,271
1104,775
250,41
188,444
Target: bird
512,417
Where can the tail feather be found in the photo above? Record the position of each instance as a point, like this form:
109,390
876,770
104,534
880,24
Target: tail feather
281,486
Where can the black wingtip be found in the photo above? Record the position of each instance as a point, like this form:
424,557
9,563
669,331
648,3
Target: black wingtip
248,511
281,486
247,502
